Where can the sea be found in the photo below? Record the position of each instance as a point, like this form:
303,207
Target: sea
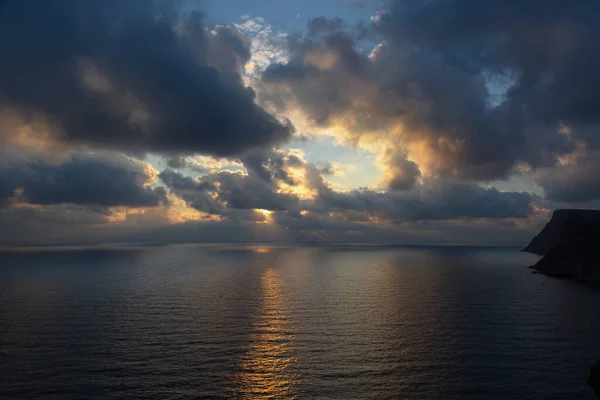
291,322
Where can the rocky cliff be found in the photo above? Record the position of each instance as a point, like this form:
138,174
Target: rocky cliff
570,244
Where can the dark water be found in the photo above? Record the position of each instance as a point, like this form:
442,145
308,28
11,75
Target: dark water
184,322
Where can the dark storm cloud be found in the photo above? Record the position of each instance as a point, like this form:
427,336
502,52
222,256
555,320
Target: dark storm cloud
130,75
325,228
84,179
321,25
175,161
578,182
270,165
243,192
428,212
406,176
218,193
402,174
332,81
432,200
178,181
137,77
33,231
58,214
256,164
328,169
432,81
554,45
196,193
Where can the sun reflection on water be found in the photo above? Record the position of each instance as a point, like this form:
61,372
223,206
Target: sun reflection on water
262,249
268,363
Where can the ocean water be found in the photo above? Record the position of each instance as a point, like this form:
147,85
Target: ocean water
329,322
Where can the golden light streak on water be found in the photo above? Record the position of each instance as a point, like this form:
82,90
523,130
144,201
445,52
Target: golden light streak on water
266,367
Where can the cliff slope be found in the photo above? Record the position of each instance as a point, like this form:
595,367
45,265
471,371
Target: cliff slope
570,244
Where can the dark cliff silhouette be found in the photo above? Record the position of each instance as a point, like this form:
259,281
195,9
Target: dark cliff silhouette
570,244
594,379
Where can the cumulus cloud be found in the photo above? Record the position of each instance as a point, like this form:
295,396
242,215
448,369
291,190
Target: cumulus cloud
267,44
271,165
574,180
261,188
56,214
400,172
434,111
234,203
131,75
321,25
105,180
432,200
221,192
447,97
376,99
470,90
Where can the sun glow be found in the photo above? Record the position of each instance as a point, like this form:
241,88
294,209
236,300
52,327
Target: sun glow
267,215
262,250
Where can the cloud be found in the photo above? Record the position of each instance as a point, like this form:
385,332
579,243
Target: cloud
400,172
105,180
285,229
229,206
432,200
176,161
245,192
195,193
446,98
410,101
271,165
331,169
576,180
470,91
132,76
267,44
321,25
515,36
62,214
219,193
261,188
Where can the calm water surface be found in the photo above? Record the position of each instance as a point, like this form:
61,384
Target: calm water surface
186,322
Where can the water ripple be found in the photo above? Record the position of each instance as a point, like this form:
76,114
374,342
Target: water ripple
335,323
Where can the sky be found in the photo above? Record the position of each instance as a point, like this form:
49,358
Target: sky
284,121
